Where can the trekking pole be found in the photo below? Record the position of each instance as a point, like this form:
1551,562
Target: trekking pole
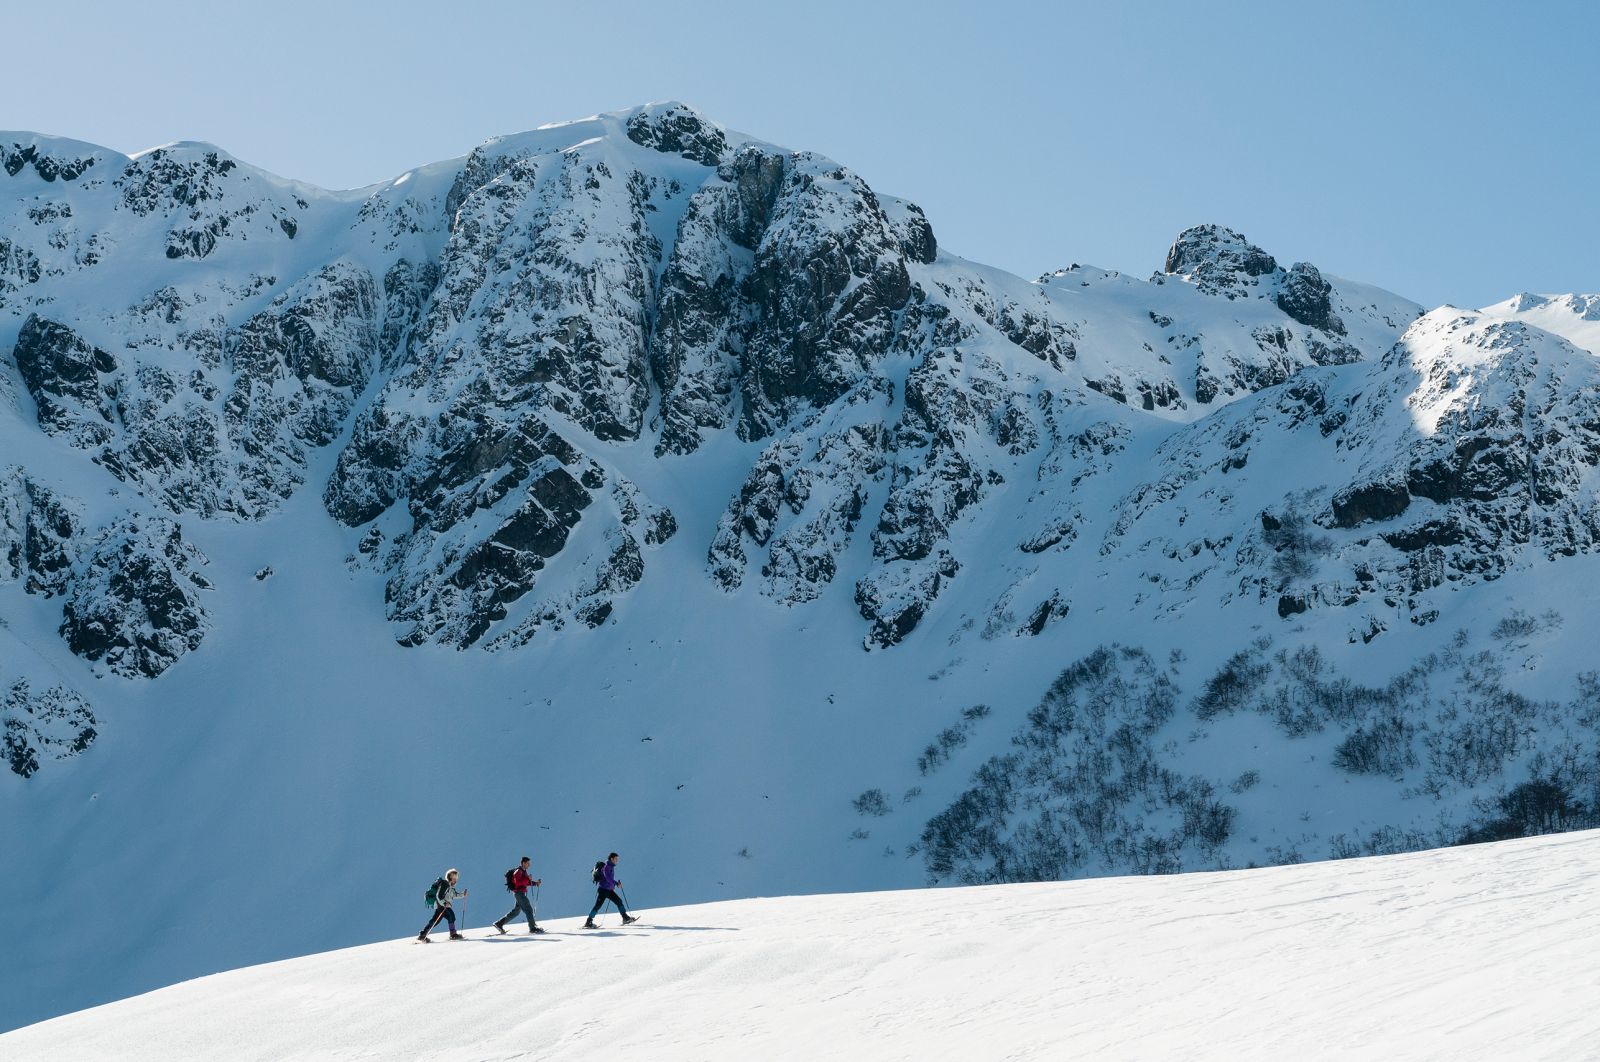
625,897
536,889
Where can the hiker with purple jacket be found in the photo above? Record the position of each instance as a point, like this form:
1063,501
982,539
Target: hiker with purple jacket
605,877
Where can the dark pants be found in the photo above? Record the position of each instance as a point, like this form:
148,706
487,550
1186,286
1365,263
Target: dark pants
521,905
439,912
607,894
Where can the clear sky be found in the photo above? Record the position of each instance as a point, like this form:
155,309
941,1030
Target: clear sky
1447,151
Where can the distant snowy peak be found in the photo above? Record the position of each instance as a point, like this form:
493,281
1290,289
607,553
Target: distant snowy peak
1219,260
1221,321
47,159
1469,450
1584,306
1575,318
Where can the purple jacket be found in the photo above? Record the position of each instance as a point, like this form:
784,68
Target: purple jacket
608,876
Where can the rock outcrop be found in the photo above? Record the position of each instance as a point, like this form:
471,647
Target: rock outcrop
134,605
40,725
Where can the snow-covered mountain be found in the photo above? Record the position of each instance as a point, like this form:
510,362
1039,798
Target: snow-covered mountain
635,484
1469,953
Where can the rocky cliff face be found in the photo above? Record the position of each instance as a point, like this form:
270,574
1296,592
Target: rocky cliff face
477,337
499,372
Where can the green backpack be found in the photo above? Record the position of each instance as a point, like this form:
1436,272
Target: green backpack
435,890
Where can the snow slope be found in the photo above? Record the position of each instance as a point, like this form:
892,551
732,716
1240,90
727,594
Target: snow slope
1484,952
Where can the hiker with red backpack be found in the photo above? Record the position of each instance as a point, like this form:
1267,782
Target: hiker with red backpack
517,881
442,894
605,877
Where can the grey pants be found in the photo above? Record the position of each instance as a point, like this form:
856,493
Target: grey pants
523,906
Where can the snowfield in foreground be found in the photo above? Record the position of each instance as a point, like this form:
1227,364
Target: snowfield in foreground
1479,952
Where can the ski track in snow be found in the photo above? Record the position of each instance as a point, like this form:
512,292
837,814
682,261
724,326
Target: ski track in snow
1480,952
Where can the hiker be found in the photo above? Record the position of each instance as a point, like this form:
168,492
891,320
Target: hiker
605,876
517,881
444,892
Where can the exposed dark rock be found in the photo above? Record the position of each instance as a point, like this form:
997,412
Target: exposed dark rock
49,724
678,130
1356,505
40,535
1477,469
16,156
70,381
800,507
828,281
915,233
537,472
1050,609
895,597
134,603
1219,260
1033,328
167,178
19,266
1161,395
704,320
661,526
1306,297
1429,533
1052,536
1373,628
372,469
407,289
1110,386
1332,353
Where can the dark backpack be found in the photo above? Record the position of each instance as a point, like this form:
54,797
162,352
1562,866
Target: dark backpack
595,877
435,890
510,874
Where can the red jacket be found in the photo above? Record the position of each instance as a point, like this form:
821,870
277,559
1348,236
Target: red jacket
520,881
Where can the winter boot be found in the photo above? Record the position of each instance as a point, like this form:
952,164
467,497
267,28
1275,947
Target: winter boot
456,936
629,920
500,927
423,939
590,924
536,929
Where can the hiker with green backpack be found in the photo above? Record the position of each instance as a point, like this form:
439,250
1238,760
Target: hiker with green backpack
441,896
517,881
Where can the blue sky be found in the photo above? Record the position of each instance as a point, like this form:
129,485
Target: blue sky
1447,151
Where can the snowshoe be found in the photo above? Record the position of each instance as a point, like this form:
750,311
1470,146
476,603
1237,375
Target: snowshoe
500,927
629,920
536,929
590,925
